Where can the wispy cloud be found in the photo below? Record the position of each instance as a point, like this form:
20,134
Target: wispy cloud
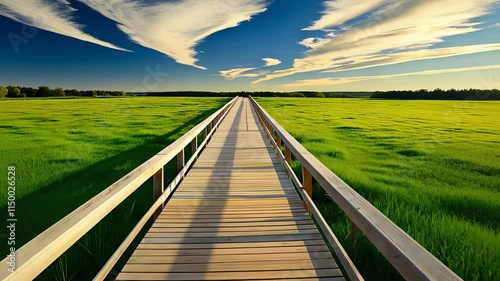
271,62
252,72
347,80
389,32
234,73
339,11
53,16
175,28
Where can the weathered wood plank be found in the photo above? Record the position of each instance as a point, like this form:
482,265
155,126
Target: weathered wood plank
233,267
231,275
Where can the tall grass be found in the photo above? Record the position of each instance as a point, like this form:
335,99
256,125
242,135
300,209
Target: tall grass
66,151
430,166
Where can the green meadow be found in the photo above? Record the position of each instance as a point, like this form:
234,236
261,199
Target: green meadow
433,167
67,150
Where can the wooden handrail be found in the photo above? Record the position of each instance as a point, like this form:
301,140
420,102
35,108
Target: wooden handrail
349,267
41,251
409,258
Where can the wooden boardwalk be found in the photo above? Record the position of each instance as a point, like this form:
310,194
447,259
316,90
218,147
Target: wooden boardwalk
236,216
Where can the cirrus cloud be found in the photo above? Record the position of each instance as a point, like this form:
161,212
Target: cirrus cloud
55,16
347,80
175,28
385,32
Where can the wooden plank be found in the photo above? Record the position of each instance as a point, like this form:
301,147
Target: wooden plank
244,246
231,275
167,234
250,238
290,211
233,267
200,215
242,258
234,220
229,251
222,230
230,225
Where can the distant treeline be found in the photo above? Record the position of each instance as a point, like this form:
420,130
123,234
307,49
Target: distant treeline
44,91
439,94
253,94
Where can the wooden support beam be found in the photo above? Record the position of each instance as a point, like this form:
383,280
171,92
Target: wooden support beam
194,145
278,141
355,233
158,189
307,184
180,161
288,155
209,128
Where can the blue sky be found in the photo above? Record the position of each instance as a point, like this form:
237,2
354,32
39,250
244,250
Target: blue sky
251,45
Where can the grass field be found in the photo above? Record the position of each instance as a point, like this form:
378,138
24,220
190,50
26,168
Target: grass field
433,167
67,150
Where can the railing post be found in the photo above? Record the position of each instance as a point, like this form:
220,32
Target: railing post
194,145
288,155
307,185
355,233
180,161
278,141
158,189
205,133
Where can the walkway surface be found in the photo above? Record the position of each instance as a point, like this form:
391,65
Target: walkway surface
236,216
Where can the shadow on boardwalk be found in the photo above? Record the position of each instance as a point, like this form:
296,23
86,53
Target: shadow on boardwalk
39,210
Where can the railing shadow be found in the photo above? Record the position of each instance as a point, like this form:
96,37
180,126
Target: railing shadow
214,197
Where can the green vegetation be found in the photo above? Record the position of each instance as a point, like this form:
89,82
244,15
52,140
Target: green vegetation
3,91
66,151
439,94
44,92
431,166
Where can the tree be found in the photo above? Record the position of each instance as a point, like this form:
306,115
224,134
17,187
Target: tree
59,92
13,92
28,91
44,91
3,92
72,92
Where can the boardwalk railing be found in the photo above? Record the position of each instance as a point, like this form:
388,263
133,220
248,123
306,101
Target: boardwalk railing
409,258
39,253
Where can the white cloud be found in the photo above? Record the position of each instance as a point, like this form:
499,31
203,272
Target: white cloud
347,80
271,62
389,32
234,73
339,11
175,28
53,16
